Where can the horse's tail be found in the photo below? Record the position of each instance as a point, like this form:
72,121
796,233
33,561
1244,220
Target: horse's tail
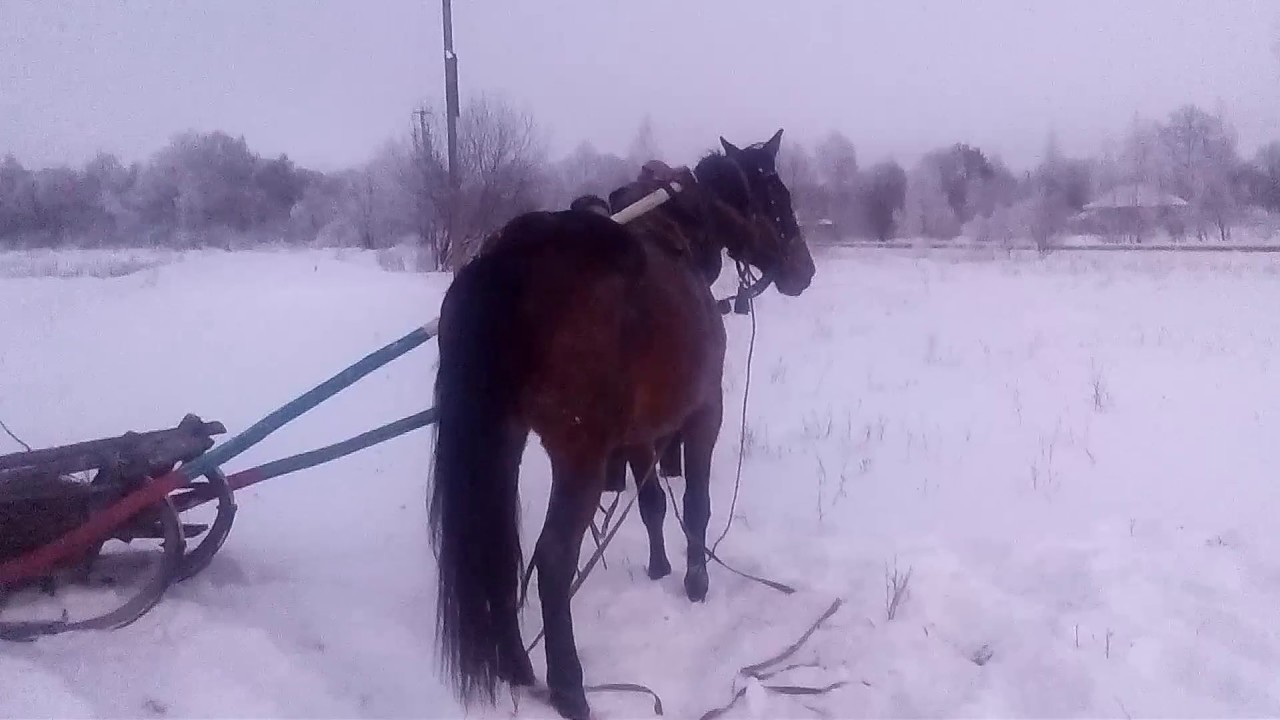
475,505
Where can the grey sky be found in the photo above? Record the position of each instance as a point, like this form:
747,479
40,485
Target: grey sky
329,80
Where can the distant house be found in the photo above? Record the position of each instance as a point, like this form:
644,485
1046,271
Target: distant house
1132,211
821,230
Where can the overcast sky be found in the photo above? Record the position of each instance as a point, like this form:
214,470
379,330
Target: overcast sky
327,81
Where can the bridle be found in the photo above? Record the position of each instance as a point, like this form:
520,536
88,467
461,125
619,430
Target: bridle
751,286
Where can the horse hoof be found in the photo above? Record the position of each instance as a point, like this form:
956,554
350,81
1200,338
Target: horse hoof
659,569
571,705
695,584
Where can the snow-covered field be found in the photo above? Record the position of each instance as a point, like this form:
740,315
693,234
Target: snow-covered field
1075,458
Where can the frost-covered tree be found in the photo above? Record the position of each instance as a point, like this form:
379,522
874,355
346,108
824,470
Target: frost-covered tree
885,198
798,169
963,172
1263,178
1202,165
500,174
836,162
1059,188
927,212
644,146
17,200
587,170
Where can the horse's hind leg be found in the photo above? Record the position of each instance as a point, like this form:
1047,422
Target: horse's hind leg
576,486
653,508
515,667
699,436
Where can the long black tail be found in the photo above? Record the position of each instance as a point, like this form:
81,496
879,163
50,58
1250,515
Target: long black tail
475,504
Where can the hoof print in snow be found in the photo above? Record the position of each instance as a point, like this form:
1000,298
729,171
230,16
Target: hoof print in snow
982,655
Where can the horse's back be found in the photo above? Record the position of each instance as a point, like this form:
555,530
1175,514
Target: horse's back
618,337
582,240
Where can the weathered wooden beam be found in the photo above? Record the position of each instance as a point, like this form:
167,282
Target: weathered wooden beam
140,451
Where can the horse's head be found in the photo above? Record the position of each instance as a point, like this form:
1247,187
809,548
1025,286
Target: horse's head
747,181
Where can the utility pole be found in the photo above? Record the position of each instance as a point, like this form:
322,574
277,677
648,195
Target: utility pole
423,149
421,140
451,91
451,125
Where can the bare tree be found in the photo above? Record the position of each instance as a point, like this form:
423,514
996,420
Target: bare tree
500,162
644,147
972,183
885,198
1200,153
797,169
1060,187
427,177
362,191
1264,178
926,210
587,170
836,160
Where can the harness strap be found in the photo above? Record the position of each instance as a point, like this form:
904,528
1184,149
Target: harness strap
629,688
783,588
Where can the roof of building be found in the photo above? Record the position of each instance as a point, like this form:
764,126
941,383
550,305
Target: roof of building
1134,195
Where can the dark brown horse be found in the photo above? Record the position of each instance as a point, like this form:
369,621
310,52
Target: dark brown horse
603,339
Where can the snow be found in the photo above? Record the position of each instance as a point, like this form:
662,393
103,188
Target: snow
1073,456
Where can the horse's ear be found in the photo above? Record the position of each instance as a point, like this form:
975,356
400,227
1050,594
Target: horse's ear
729,147
774,144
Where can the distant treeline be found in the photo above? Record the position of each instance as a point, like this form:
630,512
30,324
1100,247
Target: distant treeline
212,189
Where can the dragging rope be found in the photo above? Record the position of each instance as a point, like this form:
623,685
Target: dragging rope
745,280
14,437
758,670
711,555
629,688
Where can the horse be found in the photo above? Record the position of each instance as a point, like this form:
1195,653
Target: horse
602,339
707,256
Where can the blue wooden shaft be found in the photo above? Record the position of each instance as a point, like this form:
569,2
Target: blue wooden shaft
329,453
294,408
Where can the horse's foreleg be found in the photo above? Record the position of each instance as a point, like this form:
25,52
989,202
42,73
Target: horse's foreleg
699,436
653,508
575,496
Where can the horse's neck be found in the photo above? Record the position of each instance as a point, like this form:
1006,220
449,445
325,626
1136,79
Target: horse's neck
702,245
725,229
693,225
707,255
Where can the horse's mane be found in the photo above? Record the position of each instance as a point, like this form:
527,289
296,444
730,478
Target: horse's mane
726,200
712,215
